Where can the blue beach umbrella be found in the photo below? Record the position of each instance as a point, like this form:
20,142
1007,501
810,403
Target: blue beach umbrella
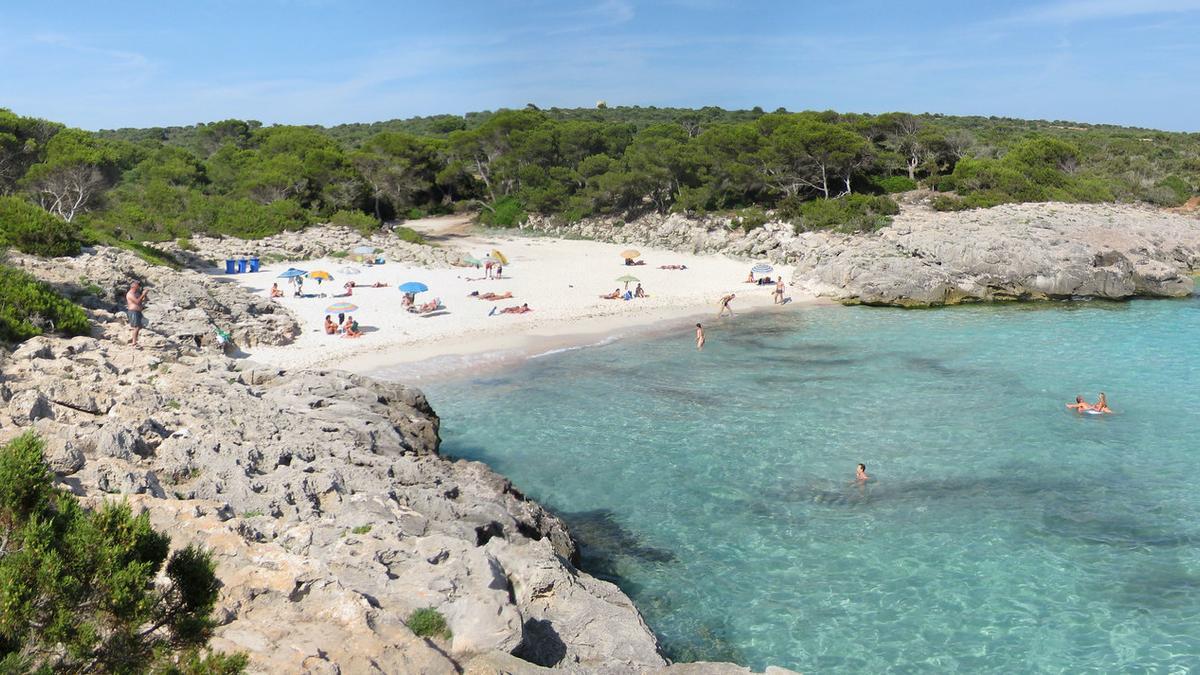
762,268
413,287
292,272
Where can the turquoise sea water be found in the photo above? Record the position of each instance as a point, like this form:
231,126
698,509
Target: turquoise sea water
1001,534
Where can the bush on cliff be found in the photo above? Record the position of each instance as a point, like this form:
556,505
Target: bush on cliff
29,307
428,622
507,212
848,213
79,590
30,229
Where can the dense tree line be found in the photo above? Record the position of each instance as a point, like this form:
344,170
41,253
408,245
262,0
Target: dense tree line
242,178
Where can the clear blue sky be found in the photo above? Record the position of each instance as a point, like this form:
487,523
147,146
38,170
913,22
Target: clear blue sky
162,62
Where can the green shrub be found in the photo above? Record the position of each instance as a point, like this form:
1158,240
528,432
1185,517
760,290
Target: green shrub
357,220
30,229
507,212
849,213
894,184
408,234
428,622
361,529
750,218
28,307
80,591
414,214
185,244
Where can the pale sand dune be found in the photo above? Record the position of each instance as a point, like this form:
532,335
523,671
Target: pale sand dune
560,279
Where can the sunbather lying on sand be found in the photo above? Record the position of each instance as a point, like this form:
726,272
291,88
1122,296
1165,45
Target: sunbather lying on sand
516,310
495,296
615,295
378,284
431,306
672,267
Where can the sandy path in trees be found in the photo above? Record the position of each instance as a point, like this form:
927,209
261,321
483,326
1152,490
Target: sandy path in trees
561,280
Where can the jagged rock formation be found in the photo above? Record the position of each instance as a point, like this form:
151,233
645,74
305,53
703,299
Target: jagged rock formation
184,306
926,258
313,242
321,495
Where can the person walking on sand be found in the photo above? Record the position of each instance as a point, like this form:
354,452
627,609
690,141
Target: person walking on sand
699,337
135,302
724,306
779,291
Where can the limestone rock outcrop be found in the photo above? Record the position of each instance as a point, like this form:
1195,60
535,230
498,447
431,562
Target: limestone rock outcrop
926,258
328,509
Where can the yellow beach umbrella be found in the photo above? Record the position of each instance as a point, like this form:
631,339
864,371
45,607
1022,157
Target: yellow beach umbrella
499,256
320,274
631,254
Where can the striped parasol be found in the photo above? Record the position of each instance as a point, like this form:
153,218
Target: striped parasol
341,308
762,268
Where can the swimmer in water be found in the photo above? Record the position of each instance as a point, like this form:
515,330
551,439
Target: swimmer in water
860,474
1081,405
1102,404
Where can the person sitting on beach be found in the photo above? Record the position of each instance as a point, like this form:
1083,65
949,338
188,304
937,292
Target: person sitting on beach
628,295
409,300
750,278
639,292
330,327
628,262
860,474
516,310
765,281
1079,404
615,295
350,328
1102,404
275,292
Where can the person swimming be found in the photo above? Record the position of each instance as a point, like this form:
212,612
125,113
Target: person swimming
1102,404
860,474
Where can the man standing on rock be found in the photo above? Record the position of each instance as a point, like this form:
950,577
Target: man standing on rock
135,302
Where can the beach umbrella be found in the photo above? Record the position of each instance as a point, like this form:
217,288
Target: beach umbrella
320,274
364,249
628,279
413,287
341,308
631,254
499,256
349,270
762,268
471,261
292,272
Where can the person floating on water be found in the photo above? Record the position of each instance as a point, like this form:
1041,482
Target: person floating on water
1079,404
1100,406
860,474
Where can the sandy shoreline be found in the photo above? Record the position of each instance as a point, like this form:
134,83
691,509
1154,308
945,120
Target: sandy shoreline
560,279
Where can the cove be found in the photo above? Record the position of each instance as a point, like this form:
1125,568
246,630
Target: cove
1002,533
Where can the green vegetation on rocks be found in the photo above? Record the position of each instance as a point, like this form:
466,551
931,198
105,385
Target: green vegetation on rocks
428,622
80,590
29,307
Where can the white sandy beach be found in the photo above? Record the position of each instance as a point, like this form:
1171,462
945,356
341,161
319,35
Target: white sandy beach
561,280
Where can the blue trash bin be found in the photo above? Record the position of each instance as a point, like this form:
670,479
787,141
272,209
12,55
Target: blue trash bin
241,265
254,264
229,266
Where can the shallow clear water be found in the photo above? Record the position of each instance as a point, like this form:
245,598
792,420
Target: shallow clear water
1002,533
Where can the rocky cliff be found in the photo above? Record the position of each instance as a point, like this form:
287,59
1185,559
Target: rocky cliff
926,258
321,495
